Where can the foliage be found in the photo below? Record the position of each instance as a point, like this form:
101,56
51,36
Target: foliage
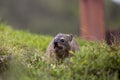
95,61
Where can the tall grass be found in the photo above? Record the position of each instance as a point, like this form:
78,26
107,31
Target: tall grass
25,59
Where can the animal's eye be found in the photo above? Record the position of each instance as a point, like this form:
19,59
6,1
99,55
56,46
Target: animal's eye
62,40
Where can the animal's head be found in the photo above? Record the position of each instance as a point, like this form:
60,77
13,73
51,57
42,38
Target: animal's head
62,42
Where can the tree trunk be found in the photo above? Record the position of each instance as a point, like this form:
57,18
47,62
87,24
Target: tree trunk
92,19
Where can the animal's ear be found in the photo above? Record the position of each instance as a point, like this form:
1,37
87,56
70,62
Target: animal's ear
70,36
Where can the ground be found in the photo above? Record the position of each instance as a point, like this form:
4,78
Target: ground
22,57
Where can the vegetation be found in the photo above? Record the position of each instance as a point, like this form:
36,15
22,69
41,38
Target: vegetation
22,57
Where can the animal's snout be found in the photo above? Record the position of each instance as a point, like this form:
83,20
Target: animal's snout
55,43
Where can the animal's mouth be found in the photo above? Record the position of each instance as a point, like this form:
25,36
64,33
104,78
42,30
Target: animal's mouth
56,47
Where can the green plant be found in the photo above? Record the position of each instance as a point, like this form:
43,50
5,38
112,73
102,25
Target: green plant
95,61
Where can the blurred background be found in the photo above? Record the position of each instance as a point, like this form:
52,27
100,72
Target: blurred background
52,16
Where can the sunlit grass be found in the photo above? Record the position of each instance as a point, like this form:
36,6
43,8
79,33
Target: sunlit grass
95,61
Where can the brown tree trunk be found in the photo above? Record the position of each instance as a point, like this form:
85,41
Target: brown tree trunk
92,19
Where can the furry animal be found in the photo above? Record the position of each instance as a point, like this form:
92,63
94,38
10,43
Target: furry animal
60,47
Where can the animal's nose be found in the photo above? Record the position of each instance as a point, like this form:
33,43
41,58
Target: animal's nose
55,43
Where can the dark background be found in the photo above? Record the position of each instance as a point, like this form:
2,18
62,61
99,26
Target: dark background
51,16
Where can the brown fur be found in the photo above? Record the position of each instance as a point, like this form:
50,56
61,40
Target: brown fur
63,48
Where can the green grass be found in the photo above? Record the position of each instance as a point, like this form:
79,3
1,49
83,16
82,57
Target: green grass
24,54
